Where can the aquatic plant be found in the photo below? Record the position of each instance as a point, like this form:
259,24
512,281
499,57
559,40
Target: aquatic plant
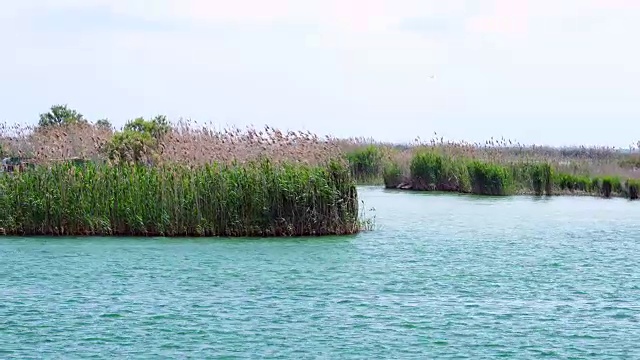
489,179
431,170
365,163
580,161
632,187
153,177
393,176
252,199
570,182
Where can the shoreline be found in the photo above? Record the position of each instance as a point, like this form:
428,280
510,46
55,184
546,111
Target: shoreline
522,193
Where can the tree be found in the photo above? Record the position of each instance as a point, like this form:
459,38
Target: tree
139,140
156,127
104,123
61,115
131,146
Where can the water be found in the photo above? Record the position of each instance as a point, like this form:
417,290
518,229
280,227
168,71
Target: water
443,277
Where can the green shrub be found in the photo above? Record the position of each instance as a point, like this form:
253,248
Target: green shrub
60,115
139,141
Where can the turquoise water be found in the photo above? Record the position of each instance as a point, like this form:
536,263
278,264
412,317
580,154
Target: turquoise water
444,276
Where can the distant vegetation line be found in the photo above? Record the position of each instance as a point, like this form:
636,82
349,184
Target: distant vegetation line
497,166
498,170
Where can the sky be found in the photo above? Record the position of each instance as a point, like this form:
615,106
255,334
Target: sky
535,71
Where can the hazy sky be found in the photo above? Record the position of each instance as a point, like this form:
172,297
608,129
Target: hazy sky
538,71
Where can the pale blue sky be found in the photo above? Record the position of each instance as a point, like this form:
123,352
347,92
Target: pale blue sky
548,72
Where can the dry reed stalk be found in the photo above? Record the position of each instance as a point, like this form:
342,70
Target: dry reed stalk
596,161
185,143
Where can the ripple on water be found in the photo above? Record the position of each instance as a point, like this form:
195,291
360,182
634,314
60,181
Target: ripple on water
440,279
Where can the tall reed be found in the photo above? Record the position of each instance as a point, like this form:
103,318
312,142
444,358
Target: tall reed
632,187
365,163
591,162
252,199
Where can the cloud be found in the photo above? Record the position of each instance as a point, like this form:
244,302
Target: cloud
520,17
327,63
507,17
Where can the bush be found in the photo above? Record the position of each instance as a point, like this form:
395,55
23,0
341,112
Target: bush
138,142
60,115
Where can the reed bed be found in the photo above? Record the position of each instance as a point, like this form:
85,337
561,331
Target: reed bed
498,167
186,142
185,181
254,199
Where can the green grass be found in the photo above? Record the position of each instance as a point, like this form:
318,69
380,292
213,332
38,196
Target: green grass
366,164
392,176
434,171
570,182
254,199
490,179
632,187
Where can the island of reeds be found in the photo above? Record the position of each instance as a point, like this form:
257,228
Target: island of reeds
496,168
70,176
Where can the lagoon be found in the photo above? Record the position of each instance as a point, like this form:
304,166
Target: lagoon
442,276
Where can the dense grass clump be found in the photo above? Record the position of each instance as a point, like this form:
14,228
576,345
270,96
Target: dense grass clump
433,171
632,188
607,187
490,179
365,163
536,170
572,183
542,179
255,199
154,177
393,176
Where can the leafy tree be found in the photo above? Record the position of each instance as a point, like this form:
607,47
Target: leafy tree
104,123
130,145
139,139
156,127
61,115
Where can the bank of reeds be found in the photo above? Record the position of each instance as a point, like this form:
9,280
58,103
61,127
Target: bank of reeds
253,199
365,164
501,167
187,181
431,170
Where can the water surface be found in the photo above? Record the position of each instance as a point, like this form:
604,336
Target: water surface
444,276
